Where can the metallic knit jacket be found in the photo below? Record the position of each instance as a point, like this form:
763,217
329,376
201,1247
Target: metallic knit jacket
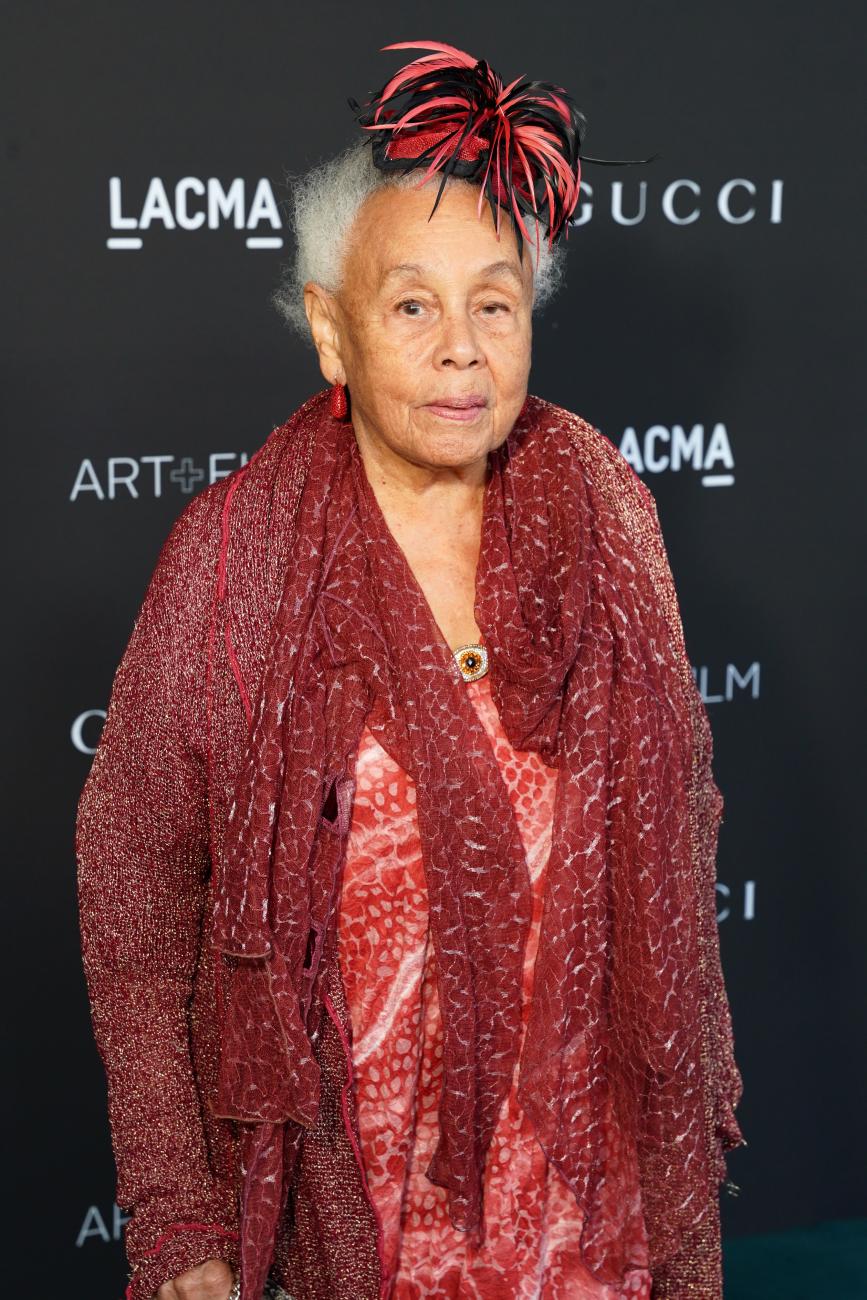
150,822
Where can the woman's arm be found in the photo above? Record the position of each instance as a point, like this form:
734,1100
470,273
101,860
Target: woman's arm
141,843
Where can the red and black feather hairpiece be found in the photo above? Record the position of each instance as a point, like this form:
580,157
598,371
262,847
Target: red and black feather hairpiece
449,112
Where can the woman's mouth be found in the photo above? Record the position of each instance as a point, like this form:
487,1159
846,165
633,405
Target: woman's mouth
463,410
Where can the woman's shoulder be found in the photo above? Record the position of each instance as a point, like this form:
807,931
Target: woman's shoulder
598,454
249,487
195,536
632,502
191,561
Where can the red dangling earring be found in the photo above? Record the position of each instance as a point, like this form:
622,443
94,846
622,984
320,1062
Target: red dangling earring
339,404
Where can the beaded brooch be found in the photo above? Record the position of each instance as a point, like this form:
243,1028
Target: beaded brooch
472,660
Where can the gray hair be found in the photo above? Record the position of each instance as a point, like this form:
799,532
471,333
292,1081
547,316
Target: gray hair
323,205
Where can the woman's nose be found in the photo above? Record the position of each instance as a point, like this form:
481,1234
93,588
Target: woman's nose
458,344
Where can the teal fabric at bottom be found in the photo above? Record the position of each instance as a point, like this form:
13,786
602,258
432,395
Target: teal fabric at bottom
827,1262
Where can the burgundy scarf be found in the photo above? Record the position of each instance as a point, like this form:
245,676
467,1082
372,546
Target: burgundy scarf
584,671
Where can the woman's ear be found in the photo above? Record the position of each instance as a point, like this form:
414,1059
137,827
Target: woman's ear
319,308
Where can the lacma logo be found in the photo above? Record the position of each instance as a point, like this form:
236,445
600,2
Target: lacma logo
705,449
193,204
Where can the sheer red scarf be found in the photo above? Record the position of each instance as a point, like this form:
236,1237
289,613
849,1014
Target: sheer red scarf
583,670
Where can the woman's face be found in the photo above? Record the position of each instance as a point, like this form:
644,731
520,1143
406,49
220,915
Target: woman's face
431,312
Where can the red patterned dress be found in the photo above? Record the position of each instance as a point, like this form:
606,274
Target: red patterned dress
388,966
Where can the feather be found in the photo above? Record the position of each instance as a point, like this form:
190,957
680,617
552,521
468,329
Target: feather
449,112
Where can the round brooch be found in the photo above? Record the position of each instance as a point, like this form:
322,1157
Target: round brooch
472,660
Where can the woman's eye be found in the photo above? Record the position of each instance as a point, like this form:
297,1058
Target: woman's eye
406,305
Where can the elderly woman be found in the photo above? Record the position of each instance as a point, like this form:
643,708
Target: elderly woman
397,854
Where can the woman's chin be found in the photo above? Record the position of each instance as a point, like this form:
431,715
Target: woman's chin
453,451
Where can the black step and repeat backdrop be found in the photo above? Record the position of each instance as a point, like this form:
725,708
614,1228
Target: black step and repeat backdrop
709,327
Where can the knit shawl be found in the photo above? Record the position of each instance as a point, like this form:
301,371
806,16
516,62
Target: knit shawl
628,1024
